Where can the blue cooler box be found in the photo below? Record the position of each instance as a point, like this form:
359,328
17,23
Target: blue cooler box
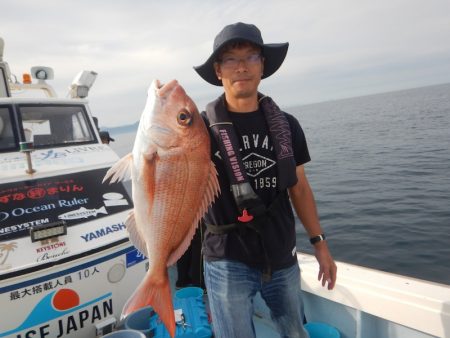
190,315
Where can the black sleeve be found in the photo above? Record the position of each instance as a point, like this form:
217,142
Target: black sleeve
299,144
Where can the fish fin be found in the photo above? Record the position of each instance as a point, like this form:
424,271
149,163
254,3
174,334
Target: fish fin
213,182
212,191
121,170
135,236
157,294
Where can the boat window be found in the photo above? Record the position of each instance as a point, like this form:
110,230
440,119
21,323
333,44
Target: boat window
7,139
56,125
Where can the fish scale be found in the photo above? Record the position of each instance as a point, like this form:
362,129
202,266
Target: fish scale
171,193
182,209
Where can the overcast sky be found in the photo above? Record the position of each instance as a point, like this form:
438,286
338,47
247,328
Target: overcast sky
337,49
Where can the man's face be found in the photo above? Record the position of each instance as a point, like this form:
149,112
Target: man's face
240,68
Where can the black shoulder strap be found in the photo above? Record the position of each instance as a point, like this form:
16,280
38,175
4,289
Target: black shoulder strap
222,127
223,130
280,133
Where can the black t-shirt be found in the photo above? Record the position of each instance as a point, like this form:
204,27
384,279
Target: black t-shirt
259,160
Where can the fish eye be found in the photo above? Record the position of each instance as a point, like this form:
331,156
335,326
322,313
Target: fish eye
184,117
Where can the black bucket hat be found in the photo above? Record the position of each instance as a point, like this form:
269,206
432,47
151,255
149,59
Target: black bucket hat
274,53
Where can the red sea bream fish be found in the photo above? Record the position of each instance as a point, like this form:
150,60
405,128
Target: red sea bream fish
173,183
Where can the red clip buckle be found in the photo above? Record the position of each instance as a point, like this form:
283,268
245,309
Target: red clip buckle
246,217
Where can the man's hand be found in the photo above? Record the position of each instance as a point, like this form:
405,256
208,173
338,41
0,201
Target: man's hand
327,267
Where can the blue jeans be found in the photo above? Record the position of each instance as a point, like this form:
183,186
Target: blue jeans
231,288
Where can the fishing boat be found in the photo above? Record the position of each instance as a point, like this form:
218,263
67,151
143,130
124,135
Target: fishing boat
67,266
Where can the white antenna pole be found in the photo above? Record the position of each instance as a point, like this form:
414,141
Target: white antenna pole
2,44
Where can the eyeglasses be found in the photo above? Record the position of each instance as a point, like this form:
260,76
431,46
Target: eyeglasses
233,62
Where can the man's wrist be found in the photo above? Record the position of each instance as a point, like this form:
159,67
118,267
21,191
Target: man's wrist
316,239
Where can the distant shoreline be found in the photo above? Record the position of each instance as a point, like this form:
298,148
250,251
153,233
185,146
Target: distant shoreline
133,126
122,129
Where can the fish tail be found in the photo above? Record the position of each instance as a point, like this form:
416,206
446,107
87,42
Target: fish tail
157,294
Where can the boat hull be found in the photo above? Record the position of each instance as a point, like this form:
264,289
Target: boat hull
368,303
79,298
74,284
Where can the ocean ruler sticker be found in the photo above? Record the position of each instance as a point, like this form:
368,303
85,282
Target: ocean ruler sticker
74,198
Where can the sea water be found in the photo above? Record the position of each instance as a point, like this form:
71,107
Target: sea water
380,173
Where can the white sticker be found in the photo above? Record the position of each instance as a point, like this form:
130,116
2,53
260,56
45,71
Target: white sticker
112,196
178,315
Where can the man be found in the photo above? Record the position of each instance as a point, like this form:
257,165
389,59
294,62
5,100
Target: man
259,153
